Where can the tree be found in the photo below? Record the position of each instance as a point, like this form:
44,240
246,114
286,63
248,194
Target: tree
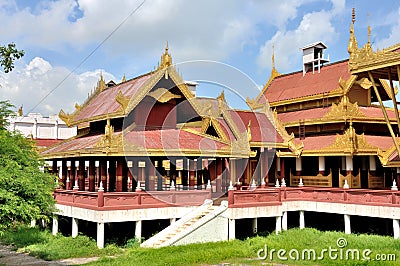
25,191
8,54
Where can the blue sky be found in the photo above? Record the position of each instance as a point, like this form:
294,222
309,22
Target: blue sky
58,35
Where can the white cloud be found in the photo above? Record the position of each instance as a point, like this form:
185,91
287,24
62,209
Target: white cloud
315,26
393,37
28,84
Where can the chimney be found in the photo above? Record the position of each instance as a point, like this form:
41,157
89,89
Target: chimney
313,57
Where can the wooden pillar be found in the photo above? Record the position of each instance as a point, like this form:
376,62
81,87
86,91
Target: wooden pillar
266,162
192,173
112,175
199,172
218,172
159,175
282,169
64,173
152,175
124,175
81,175
54,169
72,175
92,181
134,172
118,175
103,174
147,175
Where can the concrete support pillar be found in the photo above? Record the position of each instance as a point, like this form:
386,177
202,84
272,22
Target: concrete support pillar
254,225
396,229
172,220
347,225
298,166
231,229
321,165
54,229
278,224
138,230
100,235
349,164
284,221
301,220
74,227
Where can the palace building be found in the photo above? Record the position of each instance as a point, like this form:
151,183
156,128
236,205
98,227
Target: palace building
316,140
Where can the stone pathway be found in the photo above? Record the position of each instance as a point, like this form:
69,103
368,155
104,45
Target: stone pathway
12,258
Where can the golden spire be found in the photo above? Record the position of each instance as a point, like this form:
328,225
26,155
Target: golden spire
123,79
353,46
369,35
101,85
274,72
166,59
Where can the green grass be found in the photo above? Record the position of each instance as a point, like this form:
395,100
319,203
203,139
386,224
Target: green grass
44,245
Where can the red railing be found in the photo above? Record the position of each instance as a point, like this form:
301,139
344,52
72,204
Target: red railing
275,196
130,200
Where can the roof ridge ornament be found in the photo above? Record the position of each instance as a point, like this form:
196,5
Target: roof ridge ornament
166,59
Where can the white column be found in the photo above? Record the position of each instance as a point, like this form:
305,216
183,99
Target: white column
34,129
321,163
231,229
56,129
343,163
278,224
138,230
298,164
347,225
74,227
301,220
396,229
349,163
372,163
54,229
33,223
284,221
172,220
278,164
255,225
100,235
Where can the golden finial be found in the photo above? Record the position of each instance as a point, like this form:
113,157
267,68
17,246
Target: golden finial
353,45
369,35
20,111
123,79
101,85
273,56
166,59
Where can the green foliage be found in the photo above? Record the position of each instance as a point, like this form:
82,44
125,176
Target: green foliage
8,54
5,111
42,244
25,192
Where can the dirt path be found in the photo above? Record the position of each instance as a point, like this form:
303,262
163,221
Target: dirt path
10,258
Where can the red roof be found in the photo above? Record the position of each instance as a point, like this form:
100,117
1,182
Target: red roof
295,85
105,101
262,130
172,139
167,139
46,142
303,114
320,142
376,112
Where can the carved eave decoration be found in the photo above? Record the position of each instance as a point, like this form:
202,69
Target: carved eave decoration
122,100
344,110
296,149
350,143
385,156
387,88
109,141
163,95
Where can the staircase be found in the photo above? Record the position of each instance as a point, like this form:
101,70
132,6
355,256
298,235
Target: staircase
193,227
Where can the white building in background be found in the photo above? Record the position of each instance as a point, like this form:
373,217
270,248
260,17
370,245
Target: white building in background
46,130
